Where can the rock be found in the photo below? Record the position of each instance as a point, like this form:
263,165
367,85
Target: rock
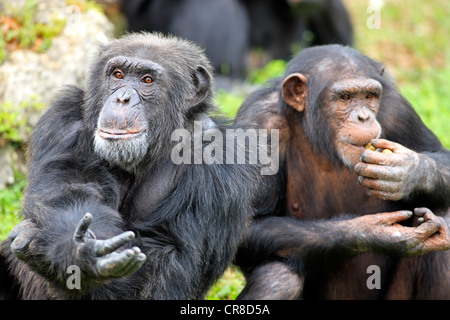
28,78
66,62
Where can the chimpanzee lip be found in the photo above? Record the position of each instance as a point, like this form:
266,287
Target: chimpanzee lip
118,135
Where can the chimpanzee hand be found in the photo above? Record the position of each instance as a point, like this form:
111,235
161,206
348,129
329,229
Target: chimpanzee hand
22,238
99,257
440,240
383,232
107,262
391,176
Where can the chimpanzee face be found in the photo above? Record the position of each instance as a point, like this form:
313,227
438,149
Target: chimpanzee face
123,127
354,104
342,118
140,93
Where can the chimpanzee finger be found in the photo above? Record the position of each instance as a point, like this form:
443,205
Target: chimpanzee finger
82,228
429,226
134,264
420,212
21,227
390,218
379,172
103,247
112,265
381,159
21,242
386,144
385,195
380,185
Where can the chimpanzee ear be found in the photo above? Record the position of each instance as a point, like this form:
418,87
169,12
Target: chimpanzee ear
202,83
295,91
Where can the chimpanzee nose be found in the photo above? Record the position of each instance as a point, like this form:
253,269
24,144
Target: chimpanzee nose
124,97
363,115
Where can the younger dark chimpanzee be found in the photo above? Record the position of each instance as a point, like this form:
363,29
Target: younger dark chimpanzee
318,229
100,164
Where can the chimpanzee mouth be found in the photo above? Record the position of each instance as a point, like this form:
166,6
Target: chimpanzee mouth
119,134
358,146
355,145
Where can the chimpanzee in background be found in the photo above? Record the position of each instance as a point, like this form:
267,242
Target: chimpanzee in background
228,29
317,231
100,164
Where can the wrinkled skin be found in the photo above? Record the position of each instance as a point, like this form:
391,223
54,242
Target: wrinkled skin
110,261
393,176
383,232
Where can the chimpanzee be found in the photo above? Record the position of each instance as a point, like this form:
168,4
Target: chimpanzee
318,231
228,29
101,162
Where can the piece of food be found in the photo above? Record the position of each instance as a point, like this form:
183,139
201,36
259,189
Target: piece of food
371,147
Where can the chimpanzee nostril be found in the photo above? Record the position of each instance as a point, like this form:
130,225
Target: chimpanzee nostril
123,98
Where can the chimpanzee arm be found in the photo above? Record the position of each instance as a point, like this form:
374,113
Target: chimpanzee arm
65,183
286,237
193,234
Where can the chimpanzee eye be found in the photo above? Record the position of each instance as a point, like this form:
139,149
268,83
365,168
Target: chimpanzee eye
147,79
118,74
345,97
370,95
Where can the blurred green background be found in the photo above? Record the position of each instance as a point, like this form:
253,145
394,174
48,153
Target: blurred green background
413,43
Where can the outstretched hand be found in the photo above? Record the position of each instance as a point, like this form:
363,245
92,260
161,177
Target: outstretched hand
108,261
390,176
101,258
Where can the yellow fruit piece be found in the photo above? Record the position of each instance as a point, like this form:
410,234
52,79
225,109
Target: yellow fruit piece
386,151
370,147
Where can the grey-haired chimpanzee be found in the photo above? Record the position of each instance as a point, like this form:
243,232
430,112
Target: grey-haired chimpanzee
104,196
319,232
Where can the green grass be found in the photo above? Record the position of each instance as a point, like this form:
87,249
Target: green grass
229,286
413,44
10,204
431,101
